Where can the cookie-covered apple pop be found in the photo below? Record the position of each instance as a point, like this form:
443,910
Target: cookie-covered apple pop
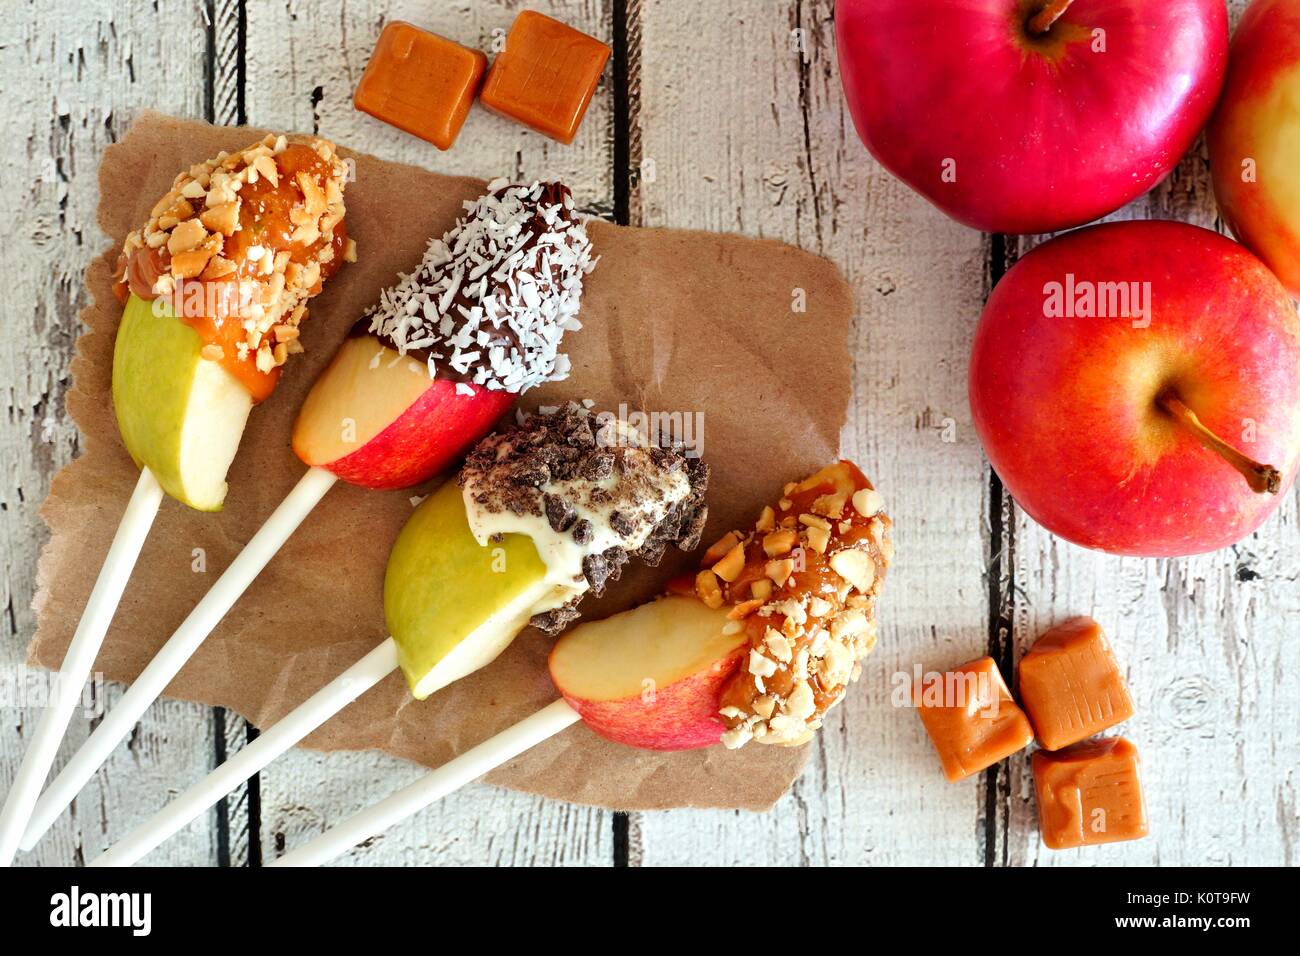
757,646
543,514
423,376
215,286
565,501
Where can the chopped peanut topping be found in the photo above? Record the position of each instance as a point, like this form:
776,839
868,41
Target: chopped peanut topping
779,542
238,222
805,595
708,589
720,547
730,566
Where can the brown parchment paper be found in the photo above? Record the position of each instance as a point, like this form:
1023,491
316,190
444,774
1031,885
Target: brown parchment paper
674,321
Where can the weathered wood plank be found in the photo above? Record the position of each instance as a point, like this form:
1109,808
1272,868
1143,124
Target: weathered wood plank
1209,645
743,128
70,76
739,126
1206,656
303,63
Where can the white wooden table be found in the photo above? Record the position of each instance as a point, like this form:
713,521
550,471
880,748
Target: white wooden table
716,116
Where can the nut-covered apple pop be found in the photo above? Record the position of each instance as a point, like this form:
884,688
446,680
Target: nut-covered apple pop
804,584
797,595
439,359
723,659
215,286
544,513
425,374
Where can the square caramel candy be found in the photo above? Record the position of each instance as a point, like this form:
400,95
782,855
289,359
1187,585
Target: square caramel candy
421,83
545,76
1071,686
1090,793
971,719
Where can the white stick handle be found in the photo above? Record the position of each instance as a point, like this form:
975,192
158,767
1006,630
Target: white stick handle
80,658
290,729
433,786
180,647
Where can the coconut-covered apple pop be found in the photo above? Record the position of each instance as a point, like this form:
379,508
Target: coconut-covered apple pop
543,514
423,376
215,287
438,360
758,646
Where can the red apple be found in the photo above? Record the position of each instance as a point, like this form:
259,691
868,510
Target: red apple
376,418
651,677
1026,116
1255,137
1169,431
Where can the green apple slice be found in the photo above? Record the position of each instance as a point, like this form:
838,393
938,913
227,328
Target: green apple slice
451,604
180,415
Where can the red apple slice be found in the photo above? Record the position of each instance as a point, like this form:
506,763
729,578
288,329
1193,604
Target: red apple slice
376,419
651,677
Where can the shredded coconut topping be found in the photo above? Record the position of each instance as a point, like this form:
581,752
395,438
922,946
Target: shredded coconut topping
490,302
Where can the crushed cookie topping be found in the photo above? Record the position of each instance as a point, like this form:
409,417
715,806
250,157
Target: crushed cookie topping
590,493
491,301
803,586
269,219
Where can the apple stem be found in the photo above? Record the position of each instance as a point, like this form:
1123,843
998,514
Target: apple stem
1261,478
1042,21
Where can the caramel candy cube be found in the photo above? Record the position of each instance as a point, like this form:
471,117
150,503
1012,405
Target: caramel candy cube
421,83
971,719
1071,685
1090,793
545,76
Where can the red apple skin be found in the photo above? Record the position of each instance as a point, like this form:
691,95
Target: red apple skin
432,434
681,716
1066,407
1254,122
1045,135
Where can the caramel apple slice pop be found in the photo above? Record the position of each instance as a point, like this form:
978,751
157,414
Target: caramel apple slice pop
758,647
215,287
425,374
542,515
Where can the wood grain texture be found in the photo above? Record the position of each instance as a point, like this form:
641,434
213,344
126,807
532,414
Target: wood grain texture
748,132
729,118
70,76
1210,650
303,63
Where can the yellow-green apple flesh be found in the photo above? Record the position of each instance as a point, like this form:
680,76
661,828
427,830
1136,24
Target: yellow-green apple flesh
180,415
1170,431
1028,116
451,604
651,677
375,418
1255,137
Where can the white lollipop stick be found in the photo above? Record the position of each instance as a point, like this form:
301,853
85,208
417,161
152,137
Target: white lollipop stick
119,721
80,658
291,728
433,786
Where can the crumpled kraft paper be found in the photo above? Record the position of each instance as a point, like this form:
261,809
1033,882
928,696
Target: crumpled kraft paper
676,321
